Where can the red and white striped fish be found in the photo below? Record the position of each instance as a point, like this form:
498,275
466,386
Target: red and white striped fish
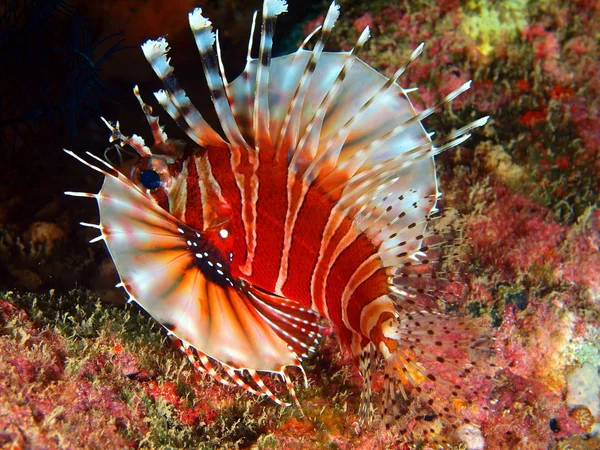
315,203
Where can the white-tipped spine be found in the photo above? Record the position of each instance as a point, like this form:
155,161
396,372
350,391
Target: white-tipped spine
345,129
205,38
272,8
160,137
91,166
332,15
198,21
251,39
155,52
220,61
364,37
80,194
319,116
309,37
290,130
161,97
90,225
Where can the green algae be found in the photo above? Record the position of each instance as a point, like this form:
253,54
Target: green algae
581,351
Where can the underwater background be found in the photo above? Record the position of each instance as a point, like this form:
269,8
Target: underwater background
80,369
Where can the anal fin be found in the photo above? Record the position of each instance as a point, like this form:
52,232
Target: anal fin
295,324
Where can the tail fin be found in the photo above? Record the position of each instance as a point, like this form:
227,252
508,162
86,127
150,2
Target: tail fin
437,367
435,371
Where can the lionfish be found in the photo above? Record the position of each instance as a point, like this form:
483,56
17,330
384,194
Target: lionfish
319,201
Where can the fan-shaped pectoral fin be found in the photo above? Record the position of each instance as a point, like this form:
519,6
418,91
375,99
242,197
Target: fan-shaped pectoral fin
181,277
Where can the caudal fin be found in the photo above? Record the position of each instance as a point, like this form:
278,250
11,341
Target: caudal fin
438,375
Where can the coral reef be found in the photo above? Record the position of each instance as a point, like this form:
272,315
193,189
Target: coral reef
80,374
488,23
527,188
75,372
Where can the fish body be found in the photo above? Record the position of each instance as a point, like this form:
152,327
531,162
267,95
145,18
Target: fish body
316,202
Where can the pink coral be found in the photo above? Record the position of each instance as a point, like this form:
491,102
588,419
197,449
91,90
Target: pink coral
362,22
517,230
38,395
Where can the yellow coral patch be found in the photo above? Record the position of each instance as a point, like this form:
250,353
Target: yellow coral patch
490,23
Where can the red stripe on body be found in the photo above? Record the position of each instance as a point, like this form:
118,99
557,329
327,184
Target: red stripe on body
323,271
370,289
193,201
271,210
341,272
306,241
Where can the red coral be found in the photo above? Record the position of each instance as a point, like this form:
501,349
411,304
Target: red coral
547,47
532,118
515,233
362,22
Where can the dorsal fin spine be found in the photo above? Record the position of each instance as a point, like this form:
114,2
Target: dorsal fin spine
379,172
313,129
309,37
165,99
205,38
386,172
361,156
345,129
158,132
174,99
226,84
288,135
328,152
271,9
251,39
221,65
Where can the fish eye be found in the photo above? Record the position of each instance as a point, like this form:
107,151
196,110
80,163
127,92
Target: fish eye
149,179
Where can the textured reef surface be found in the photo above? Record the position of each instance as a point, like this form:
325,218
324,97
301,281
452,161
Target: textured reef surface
79,369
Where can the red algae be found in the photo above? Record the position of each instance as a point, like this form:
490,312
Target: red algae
42,404
519,230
